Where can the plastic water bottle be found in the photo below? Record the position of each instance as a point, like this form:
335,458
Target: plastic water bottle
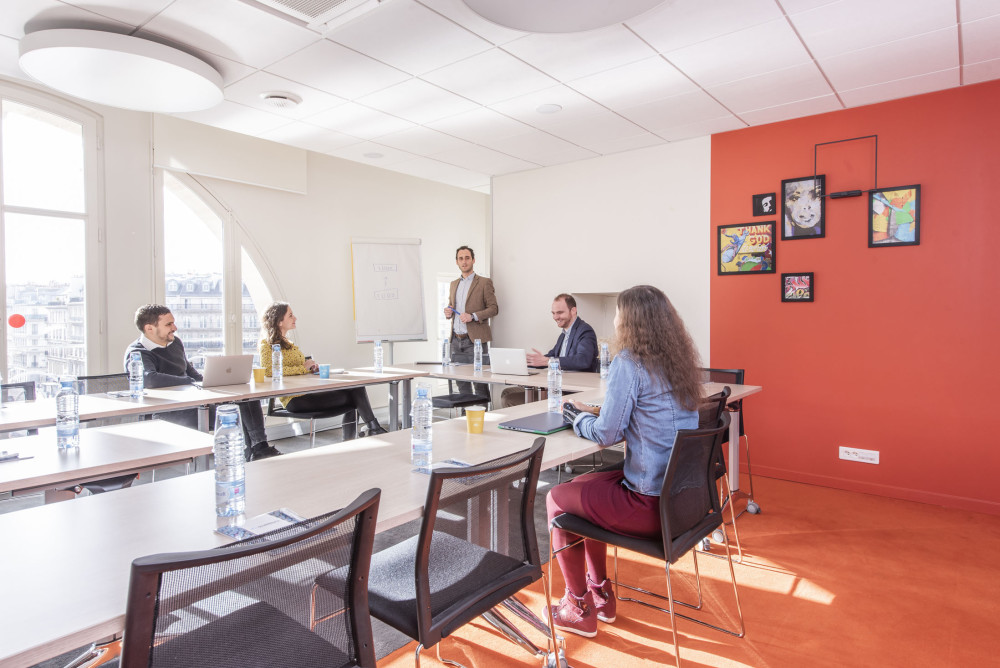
135,374
477,356
230,476
446,353
421,446
67,414
277,364
555,386
378,356
605,360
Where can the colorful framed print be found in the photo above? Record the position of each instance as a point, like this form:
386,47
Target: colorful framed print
803,208
764,204
747,249
798,287
894,217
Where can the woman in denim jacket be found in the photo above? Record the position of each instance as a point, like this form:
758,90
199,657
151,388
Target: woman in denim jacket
653,390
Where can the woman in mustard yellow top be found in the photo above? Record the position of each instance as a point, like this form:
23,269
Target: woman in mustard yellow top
278,320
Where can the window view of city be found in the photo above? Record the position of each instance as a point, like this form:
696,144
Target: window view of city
196,303
52,340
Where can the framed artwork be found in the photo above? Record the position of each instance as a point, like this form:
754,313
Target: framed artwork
764,204
894,217
747,249
798,287
803,208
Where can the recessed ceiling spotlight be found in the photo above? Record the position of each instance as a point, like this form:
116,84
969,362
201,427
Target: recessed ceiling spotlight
549,108
280,99
374,156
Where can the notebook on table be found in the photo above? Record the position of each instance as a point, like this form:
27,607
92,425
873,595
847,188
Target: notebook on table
226,370
510,361
540,423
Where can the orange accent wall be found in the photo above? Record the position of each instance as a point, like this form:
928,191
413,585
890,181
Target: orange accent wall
900,351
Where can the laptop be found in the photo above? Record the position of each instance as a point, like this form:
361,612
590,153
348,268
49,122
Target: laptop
510,361
540,423
226,370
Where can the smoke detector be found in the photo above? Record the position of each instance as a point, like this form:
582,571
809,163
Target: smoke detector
280,99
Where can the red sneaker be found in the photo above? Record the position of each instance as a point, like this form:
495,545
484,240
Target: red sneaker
574,615
605,603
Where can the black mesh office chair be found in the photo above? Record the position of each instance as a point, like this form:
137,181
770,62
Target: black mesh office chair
251,604
710,411
736,377
18,392
458,400
349,421
689,510
476,547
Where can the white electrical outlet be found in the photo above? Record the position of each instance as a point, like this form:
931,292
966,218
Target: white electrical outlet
859,455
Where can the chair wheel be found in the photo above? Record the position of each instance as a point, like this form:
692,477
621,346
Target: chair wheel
568,468
706,545
753,508
719,536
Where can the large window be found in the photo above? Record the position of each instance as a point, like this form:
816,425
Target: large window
48,232
197,238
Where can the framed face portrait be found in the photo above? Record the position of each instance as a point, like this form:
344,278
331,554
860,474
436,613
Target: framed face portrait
803,208
746,249
894,217
764,204
798,287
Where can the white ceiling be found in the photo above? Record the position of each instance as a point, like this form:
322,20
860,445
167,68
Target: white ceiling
428,88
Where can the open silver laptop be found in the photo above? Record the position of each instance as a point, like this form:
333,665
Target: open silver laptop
510,361
227,370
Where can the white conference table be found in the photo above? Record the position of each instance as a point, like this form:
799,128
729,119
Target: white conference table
104,452
66,565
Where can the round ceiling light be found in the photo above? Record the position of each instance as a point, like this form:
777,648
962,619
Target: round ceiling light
120,70
549,108
559,16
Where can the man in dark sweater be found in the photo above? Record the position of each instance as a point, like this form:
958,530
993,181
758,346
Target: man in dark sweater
165,364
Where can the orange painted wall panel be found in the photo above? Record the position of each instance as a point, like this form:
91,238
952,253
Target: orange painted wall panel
900,350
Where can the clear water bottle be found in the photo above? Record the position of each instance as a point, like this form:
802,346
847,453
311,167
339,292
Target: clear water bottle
67,414
378,356
477,356
230,475
135,374
421,447
555,386
605,360
277,364
446,353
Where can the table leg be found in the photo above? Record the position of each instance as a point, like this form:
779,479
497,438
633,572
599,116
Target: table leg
407,402
203,421
393,405
734,451
531,394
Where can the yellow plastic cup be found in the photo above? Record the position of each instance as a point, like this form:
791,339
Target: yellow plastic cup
475,416
258,374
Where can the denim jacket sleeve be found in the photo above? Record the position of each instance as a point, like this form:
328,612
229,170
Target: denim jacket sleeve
624,383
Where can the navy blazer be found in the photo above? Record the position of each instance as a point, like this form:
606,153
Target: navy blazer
581,353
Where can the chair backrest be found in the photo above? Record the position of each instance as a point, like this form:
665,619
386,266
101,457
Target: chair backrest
711,408
249,603
110,382
734,376
689,501
486,512
18,391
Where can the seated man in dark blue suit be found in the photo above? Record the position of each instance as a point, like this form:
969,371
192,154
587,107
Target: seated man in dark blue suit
576,347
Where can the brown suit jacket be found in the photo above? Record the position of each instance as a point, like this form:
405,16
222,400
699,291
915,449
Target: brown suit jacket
481,301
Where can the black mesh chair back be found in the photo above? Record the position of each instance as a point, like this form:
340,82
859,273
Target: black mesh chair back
111,382
734,376
250,604
12,392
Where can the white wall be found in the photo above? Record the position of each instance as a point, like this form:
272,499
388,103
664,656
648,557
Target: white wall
600,226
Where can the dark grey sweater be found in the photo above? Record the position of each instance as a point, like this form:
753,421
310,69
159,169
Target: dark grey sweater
164,367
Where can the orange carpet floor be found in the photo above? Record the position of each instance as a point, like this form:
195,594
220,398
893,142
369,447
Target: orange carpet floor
829,578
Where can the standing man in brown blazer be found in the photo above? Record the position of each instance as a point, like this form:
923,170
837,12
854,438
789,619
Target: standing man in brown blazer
471,303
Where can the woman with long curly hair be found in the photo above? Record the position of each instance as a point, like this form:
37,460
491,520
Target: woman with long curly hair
278,320
653,390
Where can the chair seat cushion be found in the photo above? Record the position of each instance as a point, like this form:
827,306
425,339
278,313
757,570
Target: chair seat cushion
457,400
257,636
581,527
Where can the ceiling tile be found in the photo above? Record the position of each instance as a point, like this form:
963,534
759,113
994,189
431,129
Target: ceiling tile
525,107
230,70
484,160
371,153
973,10
801,82
337,70
541,148
981,40
979,72
132,12
850,25
892,61
231,29
409,36
480,126
236,118
678,110
417,101
574,55
675,25
309,137
489,77
422,141
248,91
617,145
798,6
763,48
893,90
588,130
459,12
702,128
358,121
797,109
428,168
636,83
